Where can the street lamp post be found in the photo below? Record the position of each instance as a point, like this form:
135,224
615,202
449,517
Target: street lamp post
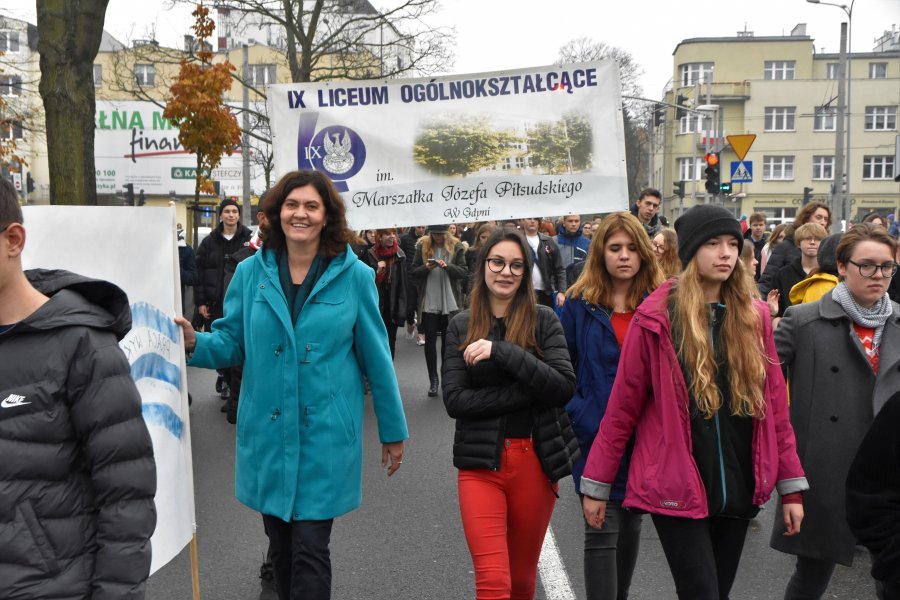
841,198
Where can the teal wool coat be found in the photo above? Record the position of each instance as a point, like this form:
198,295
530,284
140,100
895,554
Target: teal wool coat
299,424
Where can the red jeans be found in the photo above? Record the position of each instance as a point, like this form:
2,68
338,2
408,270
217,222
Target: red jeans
505,515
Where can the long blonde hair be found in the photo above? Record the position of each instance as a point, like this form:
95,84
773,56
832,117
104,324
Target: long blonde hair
595,284
428,245
741,338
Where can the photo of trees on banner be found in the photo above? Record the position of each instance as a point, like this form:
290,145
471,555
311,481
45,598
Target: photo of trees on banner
503,145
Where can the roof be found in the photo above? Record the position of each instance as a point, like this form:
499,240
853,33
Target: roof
766,39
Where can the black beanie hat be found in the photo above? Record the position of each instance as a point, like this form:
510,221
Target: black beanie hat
701,223
228,202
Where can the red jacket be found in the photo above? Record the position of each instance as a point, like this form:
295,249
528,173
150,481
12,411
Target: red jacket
650,398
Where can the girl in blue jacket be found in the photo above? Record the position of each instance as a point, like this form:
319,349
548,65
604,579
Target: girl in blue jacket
302,317
620,270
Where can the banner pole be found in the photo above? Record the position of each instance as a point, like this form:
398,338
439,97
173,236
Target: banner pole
195,568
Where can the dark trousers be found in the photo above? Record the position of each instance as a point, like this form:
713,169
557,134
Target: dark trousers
548,299
810,579
610,553
391,328
412,301
301,559
703,554
431,325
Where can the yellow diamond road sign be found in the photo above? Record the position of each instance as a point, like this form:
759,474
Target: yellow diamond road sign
741,143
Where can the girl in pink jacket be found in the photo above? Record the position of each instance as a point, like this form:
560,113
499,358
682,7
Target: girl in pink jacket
701,388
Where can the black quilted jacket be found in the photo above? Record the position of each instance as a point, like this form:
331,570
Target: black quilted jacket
77,479
480,397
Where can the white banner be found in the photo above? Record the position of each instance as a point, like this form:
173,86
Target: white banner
135,249
530,142
134,144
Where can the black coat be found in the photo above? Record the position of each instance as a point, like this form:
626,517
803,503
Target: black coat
785,252
408,243
392,291
873,492
77,479
481,396
549,263
787,277
212,255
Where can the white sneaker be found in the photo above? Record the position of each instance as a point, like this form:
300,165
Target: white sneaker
420,340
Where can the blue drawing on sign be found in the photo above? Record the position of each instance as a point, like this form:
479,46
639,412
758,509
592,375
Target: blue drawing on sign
147,315
154,366
337,150
741,171
162,415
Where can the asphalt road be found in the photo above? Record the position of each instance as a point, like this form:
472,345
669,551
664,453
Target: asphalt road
406,541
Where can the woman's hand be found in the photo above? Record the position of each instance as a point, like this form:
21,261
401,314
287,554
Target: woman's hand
772,300
204,311
394,452
381,266
190,339
793,516
594,511
442,264
477,352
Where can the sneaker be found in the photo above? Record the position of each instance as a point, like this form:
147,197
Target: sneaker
420,340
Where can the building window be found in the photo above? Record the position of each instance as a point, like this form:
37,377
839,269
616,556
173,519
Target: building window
145,75
878,167
823,167
780,118
689,169
832,70
98,75
521,162
824,118
878,70
690,123
779,215
779,69
881,118
11,85
11,130
261,75
778,168
9,41
693,73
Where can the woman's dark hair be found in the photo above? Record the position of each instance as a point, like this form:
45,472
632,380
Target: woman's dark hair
862,233
522,313
872,216
335,233
806,213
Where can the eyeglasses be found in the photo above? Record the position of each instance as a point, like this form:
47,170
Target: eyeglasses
496,265
660,247
868,269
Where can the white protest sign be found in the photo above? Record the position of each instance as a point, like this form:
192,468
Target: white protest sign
135,249
513,144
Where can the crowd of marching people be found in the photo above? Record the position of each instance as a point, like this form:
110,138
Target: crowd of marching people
680,375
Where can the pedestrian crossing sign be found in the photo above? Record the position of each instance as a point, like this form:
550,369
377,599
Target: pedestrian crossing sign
741,171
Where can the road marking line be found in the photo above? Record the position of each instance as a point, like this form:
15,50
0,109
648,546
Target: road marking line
553,572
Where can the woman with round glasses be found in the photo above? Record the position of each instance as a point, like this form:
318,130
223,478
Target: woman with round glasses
842,359
506,379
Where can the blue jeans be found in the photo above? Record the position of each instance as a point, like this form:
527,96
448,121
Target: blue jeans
610,553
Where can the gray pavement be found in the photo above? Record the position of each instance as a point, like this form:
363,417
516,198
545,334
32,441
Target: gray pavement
406,541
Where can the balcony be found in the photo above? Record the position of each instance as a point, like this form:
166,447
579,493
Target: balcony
725,90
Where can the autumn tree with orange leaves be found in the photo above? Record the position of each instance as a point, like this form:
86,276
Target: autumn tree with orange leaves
207,127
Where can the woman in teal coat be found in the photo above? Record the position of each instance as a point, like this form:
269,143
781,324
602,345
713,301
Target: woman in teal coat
302,317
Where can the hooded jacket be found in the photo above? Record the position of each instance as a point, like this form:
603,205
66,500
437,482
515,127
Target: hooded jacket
77,479
212,257
651,400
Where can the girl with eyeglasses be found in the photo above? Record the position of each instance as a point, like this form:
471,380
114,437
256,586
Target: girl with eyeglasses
842,360
506,378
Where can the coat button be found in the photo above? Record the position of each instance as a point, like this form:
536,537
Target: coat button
834,419
834,369
262,286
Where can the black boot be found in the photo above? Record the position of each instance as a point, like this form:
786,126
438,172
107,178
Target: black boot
433,390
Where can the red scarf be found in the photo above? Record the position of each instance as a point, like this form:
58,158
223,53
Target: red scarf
388,255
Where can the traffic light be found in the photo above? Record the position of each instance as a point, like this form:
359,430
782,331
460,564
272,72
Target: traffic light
679,189
712,173
725,187
807,195
29,183
659,114
129,194
141,198
679,109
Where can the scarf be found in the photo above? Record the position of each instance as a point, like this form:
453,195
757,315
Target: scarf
874,317
388,255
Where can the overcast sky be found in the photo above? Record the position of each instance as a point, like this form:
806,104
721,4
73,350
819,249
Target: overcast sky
494,35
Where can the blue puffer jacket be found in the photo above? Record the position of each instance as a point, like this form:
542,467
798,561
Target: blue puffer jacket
300,416
595,356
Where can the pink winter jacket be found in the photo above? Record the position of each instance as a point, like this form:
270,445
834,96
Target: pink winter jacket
650,398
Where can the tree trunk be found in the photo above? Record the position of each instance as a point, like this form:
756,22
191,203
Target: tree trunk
69,38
